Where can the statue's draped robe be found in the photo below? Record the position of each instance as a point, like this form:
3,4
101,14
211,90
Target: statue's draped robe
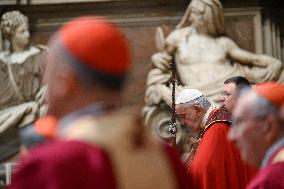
21,99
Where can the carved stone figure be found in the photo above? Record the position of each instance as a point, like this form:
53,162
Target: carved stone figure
21,71
204,59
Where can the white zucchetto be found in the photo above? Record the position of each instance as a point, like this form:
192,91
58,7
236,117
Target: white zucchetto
188,95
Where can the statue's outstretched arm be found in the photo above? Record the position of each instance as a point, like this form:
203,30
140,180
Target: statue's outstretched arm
245,57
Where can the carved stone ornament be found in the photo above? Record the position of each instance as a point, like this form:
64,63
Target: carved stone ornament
21,71
204,59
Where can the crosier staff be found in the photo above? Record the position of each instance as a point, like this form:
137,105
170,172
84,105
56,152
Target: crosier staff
160,42
173,125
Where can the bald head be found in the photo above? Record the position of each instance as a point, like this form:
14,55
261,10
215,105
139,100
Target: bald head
96,49
256,125
88,62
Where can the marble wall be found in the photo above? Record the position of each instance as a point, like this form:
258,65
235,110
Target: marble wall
139,20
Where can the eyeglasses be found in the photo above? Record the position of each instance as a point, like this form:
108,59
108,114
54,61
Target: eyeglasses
226,94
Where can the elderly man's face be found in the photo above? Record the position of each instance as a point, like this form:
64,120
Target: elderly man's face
50,81
247,132
189,116
56,81
229,96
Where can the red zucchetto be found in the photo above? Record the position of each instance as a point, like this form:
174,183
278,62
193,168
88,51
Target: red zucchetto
46,126
96,43
272,91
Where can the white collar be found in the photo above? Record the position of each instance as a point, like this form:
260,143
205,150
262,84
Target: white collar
269,153
205,118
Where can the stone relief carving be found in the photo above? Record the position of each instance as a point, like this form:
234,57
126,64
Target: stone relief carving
21,71
204,59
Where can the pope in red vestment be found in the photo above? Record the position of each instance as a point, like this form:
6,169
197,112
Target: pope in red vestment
217,163
213,161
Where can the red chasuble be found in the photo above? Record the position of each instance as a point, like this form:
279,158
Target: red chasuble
272,176
77,165
102,154
217,163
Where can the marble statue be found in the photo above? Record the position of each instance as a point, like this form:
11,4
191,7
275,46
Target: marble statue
204,58
21,71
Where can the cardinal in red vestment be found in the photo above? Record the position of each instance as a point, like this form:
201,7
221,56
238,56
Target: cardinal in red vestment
258,132
97,144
